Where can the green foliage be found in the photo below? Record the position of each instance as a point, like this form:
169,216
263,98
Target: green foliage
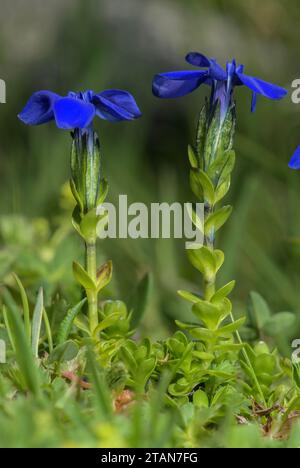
263,324
196,387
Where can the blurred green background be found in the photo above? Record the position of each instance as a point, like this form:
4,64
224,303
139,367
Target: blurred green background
99,44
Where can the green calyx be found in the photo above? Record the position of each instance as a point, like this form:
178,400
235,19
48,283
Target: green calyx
212,159
87,185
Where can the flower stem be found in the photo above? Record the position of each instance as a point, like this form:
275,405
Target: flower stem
209,286
209,290
92,295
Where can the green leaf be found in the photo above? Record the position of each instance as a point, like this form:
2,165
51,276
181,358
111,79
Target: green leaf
222,190
219,259
128,358
207,313
220,374
223,292
144,372
195,184
76,195
192,157
139,301
202,132
188,296
229,163
103,191
247,369
207,186
259,311
220,396
265,364
179,389
115,307
202,334
104,275
228,347
197,222
212,136
88,224
200,399
231,328
37,322
279,323
202,186
76,220
217,219
222,166
82,277
207,261
260,348
64,352
204,261
210,314
66,324
296,374
185,326
81,325
106,322
203,356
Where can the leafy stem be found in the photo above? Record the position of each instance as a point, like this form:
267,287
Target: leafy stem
92,294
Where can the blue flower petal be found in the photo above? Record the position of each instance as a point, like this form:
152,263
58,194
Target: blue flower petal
268,90
198,60
216,71
295,161
39,108
73,113
116,105
253,102
177,84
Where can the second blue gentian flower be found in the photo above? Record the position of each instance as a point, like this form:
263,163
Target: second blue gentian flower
222,82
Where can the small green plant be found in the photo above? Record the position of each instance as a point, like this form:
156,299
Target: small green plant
79,372
76,113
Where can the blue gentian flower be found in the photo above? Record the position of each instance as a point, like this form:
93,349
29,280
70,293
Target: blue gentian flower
179,83
295,161
77,110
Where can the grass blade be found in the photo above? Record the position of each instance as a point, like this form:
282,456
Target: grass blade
24,357
66,325
48,330
25,304
37,322
8,329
